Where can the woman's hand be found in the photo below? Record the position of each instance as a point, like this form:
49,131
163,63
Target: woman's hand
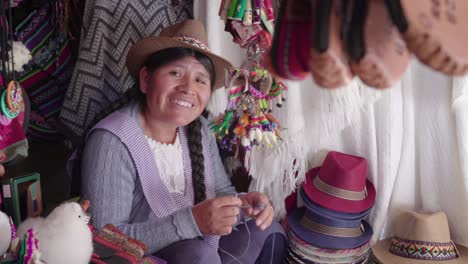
259,208
217,216
2,169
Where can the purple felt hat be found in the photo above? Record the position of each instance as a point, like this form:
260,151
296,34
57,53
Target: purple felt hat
327,232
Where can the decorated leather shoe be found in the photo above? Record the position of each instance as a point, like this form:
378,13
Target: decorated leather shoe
435,31
381,57
328,63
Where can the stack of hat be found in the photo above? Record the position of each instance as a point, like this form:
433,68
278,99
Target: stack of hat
330,227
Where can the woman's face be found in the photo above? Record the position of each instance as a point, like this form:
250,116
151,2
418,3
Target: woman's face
176,93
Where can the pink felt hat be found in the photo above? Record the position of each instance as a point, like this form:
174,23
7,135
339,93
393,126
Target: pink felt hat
340,184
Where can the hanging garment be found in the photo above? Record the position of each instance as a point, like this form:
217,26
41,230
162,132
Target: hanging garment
100,77
46,76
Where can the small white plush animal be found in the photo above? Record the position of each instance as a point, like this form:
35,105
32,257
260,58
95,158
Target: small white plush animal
33,222
5,231
64,235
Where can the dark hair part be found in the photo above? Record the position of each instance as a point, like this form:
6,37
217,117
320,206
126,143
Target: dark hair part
166,56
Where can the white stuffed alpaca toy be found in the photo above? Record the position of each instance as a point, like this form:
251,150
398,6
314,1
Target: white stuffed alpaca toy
64,235
5,231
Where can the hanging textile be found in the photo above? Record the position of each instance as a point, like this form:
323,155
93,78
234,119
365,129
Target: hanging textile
46,76
100,77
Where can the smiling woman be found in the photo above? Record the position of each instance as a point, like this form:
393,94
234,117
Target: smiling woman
153,167
176,93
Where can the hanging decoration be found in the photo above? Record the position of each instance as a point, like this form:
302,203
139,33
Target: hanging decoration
12,105
252,141
248,121
253,92
249,136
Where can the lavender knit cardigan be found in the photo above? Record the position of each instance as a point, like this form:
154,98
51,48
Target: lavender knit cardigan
121,179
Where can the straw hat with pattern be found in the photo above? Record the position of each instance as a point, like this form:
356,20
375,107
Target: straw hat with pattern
420,238
187,34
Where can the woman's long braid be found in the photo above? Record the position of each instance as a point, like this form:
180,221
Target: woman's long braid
197,160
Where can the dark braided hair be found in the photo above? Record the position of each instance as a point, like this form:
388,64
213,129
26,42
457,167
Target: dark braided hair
197,160
153,62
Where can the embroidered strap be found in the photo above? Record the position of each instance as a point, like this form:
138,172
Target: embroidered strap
192,41
422,250
330,230
340,193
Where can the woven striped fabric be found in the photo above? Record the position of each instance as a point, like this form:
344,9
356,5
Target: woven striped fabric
47,75
100,77
110,245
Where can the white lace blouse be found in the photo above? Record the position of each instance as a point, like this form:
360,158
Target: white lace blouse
172,173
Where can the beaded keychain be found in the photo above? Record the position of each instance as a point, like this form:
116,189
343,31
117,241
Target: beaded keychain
11,100
247,121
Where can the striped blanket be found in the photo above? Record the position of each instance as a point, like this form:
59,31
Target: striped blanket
110,28
45,78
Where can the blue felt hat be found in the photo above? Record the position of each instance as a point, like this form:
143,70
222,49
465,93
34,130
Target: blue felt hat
328,232
329,213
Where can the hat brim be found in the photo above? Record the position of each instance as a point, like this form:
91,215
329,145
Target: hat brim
336,258
335,203
297,242
141,50
380,251
326,241
310,259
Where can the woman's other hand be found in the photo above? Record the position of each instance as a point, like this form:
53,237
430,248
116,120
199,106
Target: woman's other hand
217,216
2,169
259,208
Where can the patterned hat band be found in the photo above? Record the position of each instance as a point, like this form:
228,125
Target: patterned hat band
331,230
337,192
187,39
422,250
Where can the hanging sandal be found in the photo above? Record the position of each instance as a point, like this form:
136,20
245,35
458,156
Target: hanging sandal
435,31
380,55
328,62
